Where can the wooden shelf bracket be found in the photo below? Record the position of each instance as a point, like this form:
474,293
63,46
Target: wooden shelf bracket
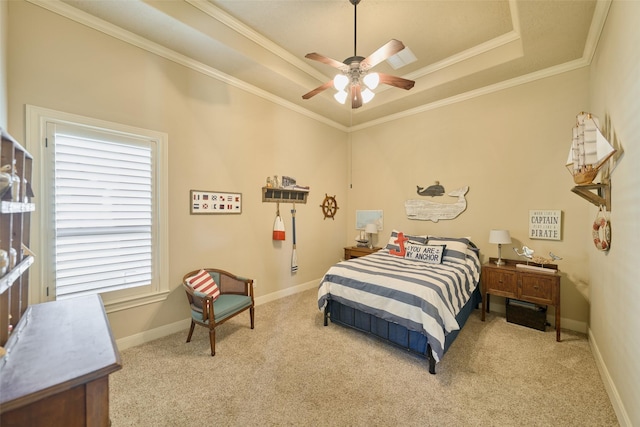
602,196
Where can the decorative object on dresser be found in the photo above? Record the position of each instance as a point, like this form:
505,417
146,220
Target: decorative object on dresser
539,262
532,286
499,237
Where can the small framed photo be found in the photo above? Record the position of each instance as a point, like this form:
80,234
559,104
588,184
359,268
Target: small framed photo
215,202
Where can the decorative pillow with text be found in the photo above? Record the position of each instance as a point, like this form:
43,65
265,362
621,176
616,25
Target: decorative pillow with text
431,254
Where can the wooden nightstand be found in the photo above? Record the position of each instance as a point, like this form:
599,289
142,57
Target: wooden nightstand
356,251
522,284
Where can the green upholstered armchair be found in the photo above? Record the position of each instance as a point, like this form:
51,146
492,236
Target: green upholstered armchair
236,296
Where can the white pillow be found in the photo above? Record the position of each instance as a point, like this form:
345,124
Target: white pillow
431,254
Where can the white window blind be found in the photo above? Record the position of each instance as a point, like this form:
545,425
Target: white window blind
103,215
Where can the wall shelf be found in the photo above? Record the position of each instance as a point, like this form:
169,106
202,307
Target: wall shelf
602,196
15,234
283,195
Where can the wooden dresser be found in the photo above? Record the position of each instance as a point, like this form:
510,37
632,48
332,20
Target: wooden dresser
57,366
532,286
358,251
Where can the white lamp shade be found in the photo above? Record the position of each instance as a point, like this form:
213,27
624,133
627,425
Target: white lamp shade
340,81
499,236
371,228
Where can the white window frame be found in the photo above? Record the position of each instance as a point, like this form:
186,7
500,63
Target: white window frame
37,121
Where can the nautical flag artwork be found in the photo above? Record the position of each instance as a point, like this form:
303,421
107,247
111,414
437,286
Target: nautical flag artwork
215,202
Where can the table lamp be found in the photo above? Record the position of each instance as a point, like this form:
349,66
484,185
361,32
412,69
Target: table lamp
371,229
499,237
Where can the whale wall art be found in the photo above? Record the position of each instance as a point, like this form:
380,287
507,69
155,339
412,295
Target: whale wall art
430,210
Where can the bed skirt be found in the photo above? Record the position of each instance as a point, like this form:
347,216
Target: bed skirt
393,333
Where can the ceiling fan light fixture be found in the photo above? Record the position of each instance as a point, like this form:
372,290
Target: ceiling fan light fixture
341,96
371,80
354,71
340,81
367,95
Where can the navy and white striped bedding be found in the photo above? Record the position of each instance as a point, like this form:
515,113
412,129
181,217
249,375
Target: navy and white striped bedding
420,296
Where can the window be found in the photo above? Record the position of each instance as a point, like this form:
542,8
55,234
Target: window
102,200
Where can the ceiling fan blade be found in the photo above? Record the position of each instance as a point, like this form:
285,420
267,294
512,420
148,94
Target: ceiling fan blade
391,48
326,60
356,96
317,90
396,81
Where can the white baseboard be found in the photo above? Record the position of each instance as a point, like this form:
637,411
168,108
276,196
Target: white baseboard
152,334
181,325
609,385
287,292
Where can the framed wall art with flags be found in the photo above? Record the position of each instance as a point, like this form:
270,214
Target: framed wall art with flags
215,202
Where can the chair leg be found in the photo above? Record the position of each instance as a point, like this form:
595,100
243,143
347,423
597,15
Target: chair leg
251,314
212,341
193,325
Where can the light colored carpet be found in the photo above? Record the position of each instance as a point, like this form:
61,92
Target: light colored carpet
293,371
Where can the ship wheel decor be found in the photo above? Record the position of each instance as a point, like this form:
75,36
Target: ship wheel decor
329,206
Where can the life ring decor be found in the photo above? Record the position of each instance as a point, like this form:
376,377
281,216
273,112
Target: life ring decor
601,232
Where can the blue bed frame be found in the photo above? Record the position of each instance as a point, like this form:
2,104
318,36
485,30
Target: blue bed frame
393,333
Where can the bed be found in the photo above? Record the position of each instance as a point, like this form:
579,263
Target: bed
417,295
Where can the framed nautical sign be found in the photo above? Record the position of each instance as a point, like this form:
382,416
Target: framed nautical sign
215,202
545,224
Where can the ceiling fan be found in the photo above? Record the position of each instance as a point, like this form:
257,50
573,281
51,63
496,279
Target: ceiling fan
354,71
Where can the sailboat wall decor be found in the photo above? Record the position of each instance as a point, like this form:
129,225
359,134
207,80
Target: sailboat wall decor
589,151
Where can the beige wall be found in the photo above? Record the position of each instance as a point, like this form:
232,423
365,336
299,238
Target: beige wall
510,148
615,292
4,30
220,138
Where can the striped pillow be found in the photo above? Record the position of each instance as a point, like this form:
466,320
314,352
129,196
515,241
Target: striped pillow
455,250
204,283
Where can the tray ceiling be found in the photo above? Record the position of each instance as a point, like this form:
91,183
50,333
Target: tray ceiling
463,48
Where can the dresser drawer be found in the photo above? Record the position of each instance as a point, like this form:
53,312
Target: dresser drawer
536,288
500,282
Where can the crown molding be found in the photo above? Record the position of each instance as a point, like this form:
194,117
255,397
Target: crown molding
67,11
600,14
